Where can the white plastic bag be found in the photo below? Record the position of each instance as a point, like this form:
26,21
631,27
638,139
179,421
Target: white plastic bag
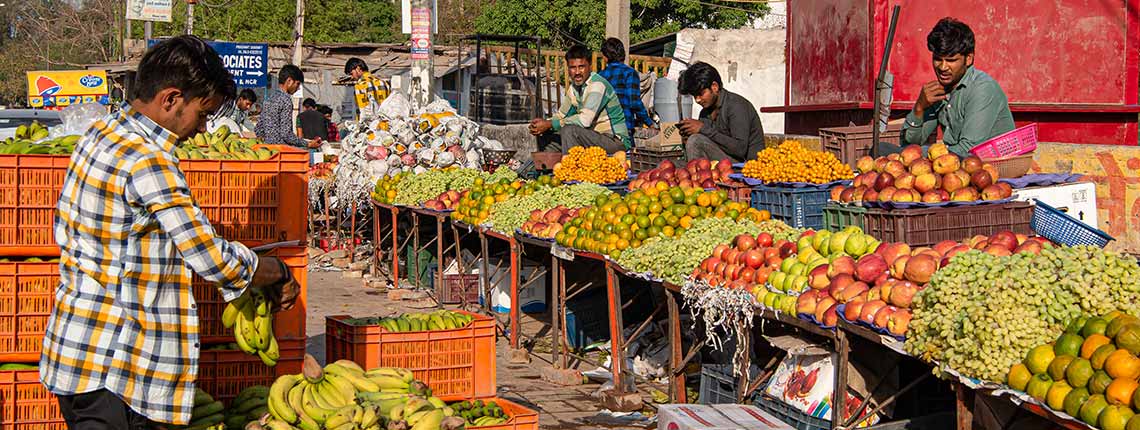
76,119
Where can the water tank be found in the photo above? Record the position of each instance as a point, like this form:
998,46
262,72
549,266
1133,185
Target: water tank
665,101
503,99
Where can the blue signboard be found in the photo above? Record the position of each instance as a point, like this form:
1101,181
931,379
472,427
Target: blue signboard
246,61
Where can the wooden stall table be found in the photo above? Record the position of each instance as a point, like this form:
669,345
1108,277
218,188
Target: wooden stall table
440,219
385,221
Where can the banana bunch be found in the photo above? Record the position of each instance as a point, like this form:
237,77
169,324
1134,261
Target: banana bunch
222,145
438,320
478,414
343,396
249,406
252,322
62,145
207,412
33,132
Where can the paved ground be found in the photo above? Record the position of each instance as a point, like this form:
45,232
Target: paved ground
559,407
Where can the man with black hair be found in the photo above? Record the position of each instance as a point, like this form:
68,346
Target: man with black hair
590,115
626,83
121,345
238,110
326,111
311,124
967,103
728,127
275,124
369,90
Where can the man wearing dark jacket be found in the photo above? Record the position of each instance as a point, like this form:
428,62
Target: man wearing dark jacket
728,128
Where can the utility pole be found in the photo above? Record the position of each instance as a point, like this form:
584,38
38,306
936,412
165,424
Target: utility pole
190,16
147,29
299,33
617,21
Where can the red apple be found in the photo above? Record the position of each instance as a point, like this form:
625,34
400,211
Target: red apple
852,291
898,322
753,258
920,167
972,164
898,267
920,268
870,309
1004,238
884,180
905,181
883,315
839,283
869,267
842,265
910,154
825,303
764,240
853,306
831,316
818,279
946,163
744,242
807,301
865,164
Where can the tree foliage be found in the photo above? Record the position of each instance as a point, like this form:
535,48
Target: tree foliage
326,21
563,22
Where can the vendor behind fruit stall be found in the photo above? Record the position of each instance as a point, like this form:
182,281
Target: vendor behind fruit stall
728,127
591,113
121,346
967,103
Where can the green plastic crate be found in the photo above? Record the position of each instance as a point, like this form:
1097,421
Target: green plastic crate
837,217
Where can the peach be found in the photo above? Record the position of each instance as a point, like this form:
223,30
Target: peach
869,267
997,251
937,150
921,167
842,265
869,310
903,294
981,179
925,182
1030,245
886,290
860,191
818,279
851,311
836,192
894,250
807,301
865,164
883,315
1006,189
910,154
898,321
825,303
904,181
992,170
920,268
875,293
944,246
964,195
831,316
883,279
957,249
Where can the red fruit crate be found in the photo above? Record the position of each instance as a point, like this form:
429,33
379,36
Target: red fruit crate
737,192
29,190
27,294
226,372
459,289
521,417
288,324
26,405
457,363
928,226
252,201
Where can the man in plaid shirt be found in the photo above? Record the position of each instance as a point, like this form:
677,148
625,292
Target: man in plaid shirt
626,83
121,346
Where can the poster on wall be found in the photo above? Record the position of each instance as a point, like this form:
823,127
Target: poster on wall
421,33
61,88
150,10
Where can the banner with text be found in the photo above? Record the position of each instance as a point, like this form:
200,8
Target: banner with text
246,61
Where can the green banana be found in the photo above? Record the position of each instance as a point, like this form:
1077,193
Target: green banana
208,409
202,398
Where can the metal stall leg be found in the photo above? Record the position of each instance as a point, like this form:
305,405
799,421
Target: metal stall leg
518,355
623,397
676,379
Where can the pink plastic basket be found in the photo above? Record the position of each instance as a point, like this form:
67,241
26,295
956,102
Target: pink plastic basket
1020,141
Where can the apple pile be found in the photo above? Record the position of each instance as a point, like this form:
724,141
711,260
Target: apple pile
908,177
447,200
699,173
746,262
547,223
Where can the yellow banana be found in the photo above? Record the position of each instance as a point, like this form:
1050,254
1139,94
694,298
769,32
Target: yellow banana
350,365
277,402
266,359
369,417
389,382
436,402
295,395
341,385
240,331
414,405
331,395
356,379
273,351
429,422
312,409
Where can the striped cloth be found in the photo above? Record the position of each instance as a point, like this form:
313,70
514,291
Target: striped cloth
596,107
129,234
369,92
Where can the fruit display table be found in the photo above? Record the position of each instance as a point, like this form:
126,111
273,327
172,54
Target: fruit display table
385,220
419,215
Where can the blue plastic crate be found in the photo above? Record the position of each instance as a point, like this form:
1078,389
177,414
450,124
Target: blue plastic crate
1061,228
790,415
587,315
718,385
798,207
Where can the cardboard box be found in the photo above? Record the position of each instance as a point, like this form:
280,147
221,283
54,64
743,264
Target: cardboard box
668,138
751,417
694,417
1077,200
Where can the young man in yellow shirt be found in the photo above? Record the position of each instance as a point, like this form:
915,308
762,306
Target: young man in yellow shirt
369,90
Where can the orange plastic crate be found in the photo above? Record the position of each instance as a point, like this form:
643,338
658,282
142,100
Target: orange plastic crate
27,294
288,324
251,201
458,362
26,405
225,373
29,189
521,417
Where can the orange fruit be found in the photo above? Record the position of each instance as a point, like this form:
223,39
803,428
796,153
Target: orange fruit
1092,343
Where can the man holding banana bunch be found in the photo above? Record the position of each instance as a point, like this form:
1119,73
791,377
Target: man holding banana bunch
121,346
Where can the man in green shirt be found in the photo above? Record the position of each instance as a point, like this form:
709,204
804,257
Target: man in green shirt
590,115
967,103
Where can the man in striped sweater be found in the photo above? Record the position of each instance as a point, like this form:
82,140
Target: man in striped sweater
591,113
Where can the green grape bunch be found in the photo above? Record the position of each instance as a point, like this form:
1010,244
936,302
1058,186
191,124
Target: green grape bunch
509,215
674,258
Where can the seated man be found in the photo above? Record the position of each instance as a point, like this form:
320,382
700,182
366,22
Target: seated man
590,115
728,128
626,83
967,103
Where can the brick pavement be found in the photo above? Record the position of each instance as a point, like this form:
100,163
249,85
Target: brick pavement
560,408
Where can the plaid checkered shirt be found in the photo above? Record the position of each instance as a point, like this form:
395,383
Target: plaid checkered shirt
627,86
129,235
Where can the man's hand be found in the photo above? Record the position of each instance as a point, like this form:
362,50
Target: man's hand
539,126
315,143
274,279
690,127
932,92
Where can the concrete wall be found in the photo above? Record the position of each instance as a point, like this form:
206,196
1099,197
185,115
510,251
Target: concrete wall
1116,172
750,62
